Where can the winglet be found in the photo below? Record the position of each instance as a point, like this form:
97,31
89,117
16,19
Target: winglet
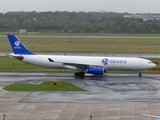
17,46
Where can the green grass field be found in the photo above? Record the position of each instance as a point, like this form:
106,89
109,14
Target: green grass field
45,86
87,45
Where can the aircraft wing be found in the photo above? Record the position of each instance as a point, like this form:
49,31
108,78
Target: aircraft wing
83,65
78,65
20,57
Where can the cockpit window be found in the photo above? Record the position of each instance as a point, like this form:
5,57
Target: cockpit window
149,62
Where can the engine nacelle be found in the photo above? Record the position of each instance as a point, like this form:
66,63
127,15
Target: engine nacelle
96,70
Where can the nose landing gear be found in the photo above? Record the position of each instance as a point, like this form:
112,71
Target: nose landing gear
140,74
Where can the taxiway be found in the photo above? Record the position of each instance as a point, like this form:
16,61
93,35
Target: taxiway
109,97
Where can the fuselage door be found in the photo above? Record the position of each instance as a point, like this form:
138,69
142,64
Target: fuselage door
141,63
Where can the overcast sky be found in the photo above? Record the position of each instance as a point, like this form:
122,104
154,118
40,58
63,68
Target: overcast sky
131,6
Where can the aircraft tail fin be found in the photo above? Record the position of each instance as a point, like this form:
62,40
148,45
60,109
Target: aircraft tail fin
17,46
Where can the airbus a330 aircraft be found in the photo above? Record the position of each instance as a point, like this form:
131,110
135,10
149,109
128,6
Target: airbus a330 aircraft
82,64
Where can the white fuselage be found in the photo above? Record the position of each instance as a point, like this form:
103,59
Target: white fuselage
72,62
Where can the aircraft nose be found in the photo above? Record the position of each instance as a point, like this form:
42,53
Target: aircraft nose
154,65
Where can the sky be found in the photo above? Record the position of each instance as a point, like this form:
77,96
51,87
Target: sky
120,6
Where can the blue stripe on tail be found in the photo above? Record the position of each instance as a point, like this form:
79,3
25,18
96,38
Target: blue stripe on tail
17,46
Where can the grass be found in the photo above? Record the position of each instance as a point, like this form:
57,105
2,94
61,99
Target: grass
45,86
87,45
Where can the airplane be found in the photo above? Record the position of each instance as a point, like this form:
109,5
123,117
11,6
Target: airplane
82,64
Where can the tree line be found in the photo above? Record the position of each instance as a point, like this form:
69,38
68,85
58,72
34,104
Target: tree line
76,22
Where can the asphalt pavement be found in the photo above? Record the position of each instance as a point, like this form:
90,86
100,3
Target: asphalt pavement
109,97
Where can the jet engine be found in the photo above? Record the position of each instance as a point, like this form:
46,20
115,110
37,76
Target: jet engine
96,70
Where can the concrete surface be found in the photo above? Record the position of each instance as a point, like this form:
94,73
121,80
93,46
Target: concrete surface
110,97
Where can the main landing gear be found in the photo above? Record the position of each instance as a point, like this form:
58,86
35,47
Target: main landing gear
79,74
140,74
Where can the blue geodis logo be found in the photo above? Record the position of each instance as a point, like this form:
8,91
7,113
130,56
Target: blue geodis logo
105,61
17,43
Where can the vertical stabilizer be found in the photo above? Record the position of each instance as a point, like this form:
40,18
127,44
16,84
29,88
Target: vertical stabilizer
17,46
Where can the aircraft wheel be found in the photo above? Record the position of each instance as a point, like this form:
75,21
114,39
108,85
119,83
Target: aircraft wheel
82,74
79,74
76,74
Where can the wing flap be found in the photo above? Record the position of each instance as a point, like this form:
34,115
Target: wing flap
77,65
